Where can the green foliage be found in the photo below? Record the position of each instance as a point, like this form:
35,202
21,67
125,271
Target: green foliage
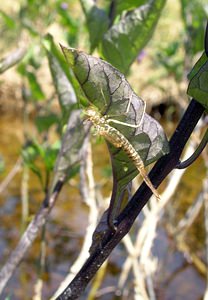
70,24
168,58
28,69
97,22
194,15
8,21
35,88
36,155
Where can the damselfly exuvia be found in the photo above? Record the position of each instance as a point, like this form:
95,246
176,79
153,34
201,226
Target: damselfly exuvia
116,138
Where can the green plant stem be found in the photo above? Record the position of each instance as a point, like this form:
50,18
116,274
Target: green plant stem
195,155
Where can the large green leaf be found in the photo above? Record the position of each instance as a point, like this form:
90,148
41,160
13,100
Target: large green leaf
198,85
109,92
97,22
124,40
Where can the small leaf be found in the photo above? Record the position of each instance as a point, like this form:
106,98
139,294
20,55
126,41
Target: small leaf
29,154
124,40
35,87
198,85
50,156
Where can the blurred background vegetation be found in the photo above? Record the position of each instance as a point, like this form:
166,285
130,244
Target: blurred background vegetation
31,126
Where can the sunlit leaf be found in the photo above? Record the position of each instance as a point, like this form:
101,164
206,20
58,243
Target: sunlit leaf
198,85
123,41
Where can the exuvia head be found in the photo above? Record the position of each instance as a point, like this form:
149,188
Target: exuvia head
90,112
93,116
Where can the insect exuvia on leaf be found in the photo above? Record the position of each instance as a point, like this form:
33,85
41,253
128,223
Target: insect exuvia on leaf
117,139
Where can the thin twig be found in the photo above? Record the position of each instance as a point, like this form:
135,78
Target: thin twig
17,167
25,196
12,59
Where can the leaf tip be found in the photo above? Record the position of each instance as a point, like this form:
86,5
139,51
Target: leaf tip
70,54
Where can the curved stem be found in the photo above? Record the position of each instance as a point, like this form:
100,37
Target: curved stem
195,155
